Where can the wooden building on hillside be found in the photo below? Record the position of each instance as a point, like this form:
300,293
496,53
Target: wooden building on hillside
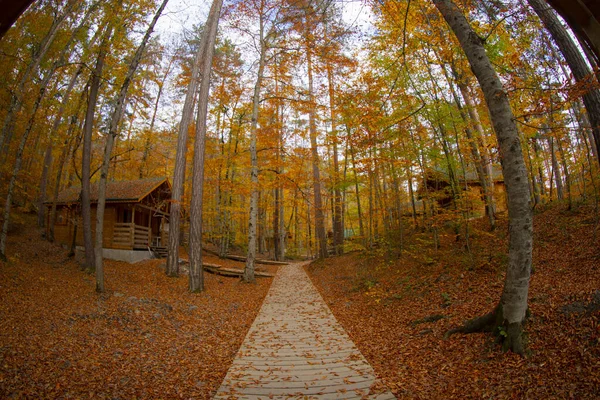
135,217
438,184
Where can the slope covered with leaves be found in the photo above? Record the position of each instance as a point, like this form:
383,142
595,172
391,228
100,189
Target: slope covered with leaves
147,337
398,309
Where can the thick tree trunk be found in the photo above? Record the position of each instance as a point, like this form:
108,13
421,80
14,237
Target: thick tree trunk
513,303
86,159
196,279
115,121
172,268
318,207
582,73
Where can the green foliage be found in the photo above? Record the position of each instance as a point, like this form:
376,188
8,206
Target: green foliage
364,284
501,331
447,299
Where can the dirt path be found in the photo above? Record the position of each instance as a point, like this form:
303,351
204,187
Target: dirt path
296,347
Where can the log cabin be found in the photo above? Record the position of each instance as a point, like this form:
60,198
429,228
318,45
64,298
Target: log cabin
437,184
135,220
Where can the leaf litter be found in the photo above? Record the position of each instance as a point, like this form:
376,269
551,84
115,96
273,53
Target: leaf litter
146,337
397,309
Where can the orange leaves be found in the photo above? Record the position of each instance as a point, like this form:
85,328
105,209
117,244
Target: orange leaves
402,337
146,338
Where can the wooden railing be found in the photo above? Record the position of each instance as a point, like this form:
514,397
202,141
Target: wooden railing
122,235
130,235
141,237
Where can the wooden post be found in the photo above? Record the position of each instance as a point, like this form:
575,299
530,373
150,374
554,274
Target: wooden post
133,227
150,227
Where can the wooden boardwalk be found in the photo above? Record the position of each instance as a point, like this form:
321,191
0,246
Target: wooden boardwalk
296,349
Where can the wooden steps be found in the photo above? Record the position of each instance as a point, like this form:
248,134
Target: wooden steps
243,259
233,272
257,261
159,251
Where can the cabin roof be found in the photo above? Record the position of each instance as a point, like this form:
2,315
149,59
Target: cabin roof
116,192
441,174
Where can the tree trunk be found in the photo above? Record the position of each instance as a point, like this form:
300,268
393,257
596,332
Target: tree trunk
73,127
481,162
582,73
584,127
556,170
196,280
48,159
172,268
318,207
115,120
361,227
563,162
338,227
512,308
86,159
10,192
278,225
148,143
18,162
51,135
253,215
16,101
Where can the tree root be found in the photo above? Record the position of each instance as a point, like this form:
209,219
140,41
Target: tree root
485,323
510,336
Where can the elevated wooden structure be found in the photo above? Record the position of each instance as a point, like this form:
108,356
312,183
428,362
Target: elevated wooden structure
135,217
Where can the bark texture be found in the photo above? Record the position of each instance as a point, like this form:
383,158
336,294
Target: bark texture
115,120
318,207
582,73
172,268
196,281
252,224
513,303
86,158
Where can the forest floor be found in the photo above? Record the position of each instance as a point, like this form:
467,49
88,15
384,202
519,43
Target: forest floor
146,337
397,309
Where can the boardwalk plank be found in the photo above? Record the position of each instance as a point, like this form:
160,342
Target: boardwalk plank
297,349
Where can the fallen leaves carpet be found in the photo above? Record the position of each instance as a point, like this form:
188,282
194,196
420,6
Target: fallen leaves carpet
145,338
397,309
